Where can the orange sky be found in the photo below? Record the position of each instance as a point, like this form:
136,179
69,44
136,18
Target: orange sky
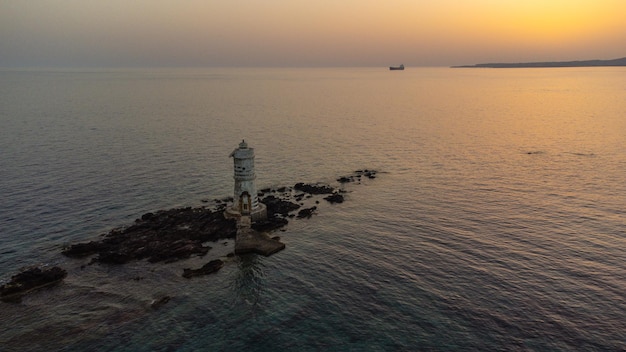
307,33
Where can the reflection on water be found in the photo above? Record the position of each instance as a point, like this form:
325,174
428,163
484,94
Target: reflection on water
249,281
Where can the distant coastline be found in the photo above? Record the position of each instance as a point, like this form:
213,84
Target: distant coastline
586,63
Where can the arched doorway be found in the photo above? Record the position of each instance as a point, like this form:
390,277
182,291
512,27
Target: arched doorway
245,203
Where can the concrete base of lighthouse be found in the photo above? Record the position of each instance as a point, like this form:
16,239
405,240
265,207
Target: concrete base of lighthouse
251,241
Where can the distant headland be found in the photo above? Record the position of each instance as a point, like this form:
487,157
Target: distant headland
585,63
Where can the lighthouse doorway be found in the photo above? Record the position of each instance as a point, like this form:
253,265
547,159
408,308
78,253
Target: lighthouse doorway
245,203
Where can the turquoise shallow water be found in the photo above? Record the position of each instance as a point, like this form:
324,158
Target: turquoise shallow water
496,221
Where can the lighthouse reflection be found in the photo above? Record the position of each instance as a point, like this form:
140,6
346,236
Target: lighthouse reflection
249,280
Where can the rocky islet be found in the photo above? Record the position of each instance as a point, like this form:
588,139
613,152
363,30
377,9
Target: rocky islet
176,234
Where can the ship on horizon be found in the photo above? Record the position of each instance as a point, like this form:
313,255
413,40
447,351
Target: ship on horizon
394,68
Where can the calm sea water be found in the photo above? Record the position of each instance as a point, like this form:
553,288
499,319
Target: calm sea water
497,222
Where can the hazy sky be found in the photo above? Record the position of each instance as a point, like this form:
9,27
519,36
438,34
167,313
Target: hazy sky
130,33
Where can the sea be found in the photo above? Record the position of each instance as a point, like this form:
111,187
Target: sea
496,221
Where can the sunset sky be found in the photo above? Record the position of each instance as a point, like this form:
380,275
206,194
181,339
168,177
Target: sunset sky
196,33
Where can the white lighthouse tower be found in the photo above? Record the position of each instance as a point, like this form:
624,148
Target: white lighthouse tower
245,199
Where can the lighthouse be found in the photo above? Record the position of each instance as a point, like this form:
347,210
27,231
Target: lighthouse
245,199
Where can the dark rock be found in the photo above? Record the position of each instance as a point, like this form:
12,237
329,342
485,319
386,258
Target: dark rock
177,250
344,179
334,198
306,213
356,176
80,250
208,268
314,189
111,257
370,174
30,279
278,206
167,235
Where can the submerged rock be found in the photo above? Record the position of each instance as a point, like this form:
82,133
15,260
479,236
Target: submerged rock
30,279
158,303
208,268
